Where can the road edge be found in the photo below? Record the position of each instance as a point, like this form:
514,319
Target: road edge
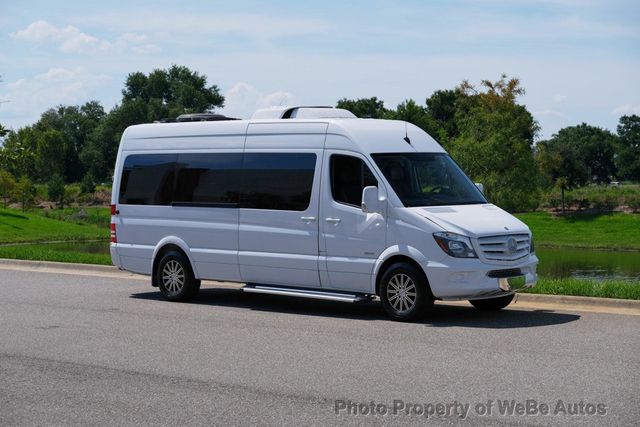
542,299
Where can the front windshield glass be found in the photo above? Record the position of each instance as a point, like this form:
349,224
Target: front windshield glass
428,179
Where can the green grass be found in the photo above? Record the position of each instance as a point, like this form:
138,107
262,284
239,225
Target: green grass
616,231
16,226
86,215
43,252
587,288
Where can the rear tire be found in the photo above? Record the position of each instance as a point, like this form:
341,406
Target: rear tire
492,304
404,292
175,278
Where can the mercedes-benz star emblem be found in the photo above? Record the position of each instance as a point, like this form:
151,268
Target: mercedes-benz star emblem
512,245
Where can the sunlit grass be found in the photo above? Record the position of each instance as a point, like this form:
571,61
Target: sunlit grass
587,288
618,231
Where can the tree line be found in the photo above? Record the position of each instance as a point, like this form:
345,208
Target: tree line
484,127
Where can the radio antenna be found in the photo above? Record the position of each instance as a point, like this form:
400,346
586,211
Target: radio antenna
406,134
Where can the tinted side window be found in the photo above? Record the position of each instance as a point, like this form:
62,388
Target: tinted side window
281,181
208,179
147,179
349,175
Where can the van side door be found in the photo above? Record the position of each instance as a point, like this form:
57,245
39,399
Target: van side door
350,239
279,204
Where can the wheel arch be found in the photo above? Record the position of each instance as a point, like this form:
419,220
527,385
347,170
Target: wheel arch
168,244
394,254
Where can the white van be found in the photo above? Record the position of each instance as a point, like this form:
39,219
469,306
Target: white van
312,202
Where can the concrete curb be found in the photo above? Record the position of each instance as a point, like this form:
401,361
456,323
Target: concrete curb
578,300
36,265
566,300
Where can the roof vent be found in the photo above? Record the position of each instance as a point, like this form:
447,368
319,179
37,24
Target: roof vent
197,117
303,112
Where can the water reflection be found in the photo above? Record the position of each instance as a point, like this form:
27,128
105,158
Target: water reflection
589,264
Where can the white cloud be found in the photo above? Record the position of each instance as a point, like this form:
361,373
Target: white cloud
256,25
626,109
242,100
58,73
560,98
37,31
71,40
547,112
30,97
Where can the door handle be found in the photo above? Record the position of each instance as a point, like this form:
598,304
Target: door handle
308,218
333,220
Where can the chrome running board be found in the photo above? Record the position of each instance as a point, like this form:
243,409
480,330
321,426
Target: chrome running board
305,293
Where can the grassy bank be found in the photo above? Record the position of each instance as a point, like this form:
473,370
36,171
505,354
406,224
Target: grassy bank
48,252
616,231
587,288
16,226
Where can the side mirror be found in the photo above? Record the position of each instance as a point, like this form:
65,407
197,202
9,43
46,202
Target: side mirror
480,187
370,201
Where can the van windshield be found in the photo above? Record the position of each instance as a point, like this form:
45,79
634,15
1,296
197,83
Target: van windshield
428,179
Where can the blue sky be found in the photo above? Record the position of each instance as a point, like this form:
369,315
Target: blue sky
578,60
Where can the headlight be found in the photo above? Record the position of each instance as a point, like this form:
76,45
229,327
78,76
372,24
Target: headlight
532,248
455,245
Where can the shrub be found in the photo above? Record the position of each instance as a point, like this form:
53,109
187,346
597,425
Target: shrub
633,201
88,184
606,201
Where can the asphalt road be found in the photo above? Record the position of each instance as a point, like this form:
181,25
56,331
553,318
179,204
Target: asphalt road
83,349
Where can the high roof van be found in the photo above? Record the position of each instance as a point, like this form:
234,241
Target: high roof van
315,203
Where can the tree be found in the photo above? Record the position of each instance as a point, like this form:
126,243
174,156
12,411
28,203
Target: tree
18,152
7,186
576,156
410,111
364,108
55,189
628,159
52,149
25,192
562,165
442,106
495,141
146,98
3,131
171,92
88,185
76,124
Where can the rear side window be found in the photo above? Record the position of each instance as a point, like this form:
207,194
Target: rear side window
210,179
281,181
349,176
147,179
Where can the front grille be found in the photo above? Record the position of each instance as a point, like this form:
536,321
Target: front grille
509,272
497,248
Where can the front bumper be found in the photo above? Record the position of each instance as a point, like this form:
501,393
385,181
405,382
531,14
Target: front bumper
462,279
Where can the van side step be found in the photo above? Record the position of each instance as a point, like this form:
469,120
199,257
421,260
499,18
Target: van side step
305,293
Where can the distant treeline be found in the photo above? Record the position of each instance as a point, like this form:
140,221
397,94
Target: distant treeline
484,128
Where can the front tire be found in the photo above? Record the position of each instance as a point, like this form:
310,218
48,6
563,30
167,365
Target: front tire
175,278
404,292
492,304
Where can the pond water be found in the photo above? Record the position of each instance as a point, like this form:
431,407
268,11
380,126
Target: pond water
554,263
589,264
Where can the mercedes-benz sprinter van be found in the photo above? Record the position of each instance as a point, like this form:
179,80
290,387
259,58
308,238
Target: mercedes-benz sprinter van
312,202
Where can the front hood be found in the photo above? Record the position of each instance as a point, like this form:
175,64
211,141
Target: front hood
472,220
